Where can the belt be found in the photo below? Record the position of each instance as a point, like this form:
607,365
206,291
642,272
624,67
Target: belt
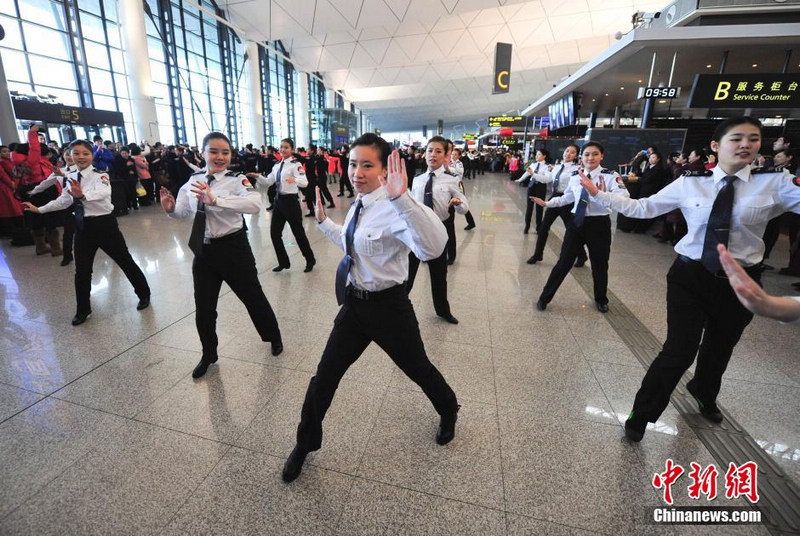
756,269
366,295
227,238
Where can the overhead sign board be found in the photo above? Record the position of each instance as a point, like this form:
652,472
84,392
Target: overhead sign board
469,137
745,91
507,121
659,92
71,115
502,68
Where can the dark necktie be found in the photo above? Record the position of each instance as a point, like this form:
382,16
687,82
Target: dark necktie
78,208
719,226
278,178
347,261
556,181
427,199
198,235
580,210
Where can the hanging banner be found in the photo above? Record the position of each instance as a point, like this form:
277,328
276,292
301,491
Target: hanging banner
502,68
745,91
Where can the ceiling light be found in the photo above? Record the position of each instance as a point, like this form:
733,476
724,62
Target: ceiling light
622,89
755,65
640,81
778,116
662,102
606,94
593,100
708,66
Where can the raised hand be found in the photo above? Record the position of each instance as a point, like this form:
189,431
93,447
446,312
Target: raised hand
75,189
290,180
319,208
587,183
202,191
167,201
747,290
539,201
455,201
396,181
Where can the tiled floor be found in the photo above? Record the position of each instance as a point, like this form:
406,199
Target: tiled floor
103,430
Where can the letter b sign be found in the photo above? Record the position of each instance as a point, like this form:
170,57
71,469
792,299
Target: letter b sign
722,91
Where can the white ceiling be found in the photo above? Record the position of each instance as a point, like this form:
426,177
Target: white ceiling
408,63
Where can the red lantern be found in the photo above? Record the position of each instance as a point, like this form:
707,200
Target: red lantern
506,131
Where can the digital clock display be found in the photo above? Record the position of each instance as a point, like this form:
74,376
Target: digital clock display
661,92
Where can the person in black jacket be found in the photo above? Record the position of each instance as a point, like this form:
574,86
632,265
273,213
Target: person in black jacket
265,164
320,164
344,182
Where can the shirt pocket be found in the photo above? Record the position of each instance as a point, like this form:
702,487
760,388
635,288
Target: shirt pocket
369,241
697,209
755,209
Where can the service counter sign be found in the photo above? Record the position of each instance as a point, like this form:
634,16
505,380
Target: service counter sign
745,91
506,121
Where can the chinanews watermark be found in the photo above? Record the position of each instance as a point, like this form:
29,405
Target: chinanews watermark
740,481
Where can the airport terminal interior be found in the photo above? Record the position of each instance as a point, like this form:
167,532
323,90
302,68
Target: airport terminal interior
106,425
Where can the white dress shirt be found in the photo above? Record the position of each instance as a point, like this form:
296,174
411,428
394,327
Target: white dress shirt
288,167
234,197
96,192
457,168
386,230
563,179
609,181
445,188
758,197
52,180
796,321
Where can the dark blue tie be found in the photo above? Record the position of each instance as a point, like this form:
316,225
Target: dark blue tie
347,261
556,181
580,210
719,226
78,208
427,199
278,177
197,238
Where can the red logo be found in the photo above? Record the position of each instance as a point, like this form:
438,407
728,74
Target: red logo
667,478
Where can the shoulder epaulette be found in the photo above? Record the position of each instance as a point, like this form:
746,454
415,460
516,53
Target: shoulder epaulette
703,173
232,174
767,169
96,170
448,172
420,173
575,172
198,173
607,171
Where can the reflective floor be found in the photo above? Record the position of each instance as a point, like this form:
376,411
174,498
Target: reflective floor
103,430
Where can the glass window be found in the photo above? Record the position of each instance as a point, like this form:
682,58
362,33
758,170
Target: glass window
111,9
46,42
121,82
64,96
158,72
13,38
101,82
92,28
92,6
117,61
52,72
15,66
102,102
96,55
8,8
114,38
44,12
19,87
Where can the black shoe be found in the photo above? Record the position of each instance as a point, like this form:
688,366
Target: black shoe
280,268
270,208
294,464
525,231
602,307
80,318
447,428
277,347
470,226
66,261
709,411
201,368
450,262
310,215
144,303
310,265
634,428
450,318
534,259
765,266
340,195
580,263
541,305
331,206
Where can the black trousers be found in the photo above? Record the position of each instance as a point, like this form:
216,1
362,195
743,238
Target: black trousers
69,234
102,232
550,216
539,190
470,218
702,313
287,209
40,223
231,260
595,233
310,194
450,225
438,271
390,322
344,182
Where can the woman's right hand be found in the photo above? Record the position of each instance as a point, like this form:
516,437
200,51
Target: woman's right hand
167,201
319,208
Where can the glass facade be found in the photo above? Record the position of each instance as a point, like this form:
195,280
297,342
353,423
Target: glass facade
71,52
